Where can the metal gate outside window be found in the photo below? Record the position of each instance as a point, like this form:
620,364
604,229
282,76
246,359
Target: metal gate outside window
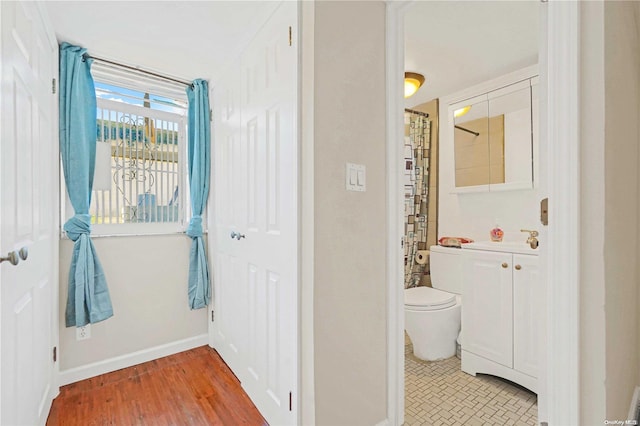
139,173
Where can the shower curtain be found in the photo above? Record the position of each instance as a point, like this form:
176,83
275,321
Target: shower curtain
417,149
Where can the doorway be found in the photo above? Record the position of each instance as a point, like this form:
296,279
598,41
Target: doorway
480,64
558,53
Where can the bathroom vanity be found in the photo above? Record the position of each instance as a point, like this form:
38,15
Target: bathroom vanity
502,300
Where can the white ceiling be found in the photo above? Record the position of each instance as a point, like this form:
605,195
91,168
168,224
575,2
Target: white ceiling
186,39
457,44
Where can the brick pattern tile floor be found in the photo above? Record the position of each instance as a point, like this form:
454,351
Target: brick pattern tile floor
439,393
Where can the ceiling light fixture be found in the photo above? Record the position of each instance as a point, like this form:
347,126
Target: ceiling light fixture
412,82
462,111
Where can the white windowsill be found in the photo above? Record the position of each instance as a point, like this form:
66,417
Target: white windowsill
63,235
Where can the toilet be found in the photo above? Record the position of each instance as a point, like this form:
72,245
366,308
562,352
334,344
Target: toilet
433,315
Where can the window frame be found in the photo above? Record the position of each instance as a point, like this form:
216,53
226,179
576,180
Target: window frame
141,228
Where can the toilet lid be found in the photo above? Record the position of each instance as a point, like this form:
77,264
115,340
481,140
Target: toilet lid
427,298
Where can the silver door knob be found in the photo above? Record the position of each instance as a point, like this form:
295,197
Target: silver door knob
237,235
23,253
12,257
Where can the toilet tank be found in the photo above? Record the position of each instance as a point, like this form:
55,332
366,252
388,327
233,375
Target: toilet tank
446,268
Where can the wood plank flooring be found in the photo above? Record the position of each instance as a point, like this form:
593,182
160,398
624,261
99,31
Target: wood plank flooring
190,388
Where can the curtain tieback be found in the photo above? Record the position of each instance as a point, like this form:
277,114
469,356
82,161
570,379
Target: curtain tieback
195,227
78,225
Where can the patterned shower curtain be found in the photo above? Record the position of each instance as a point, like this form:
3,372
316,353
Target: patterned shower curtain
417,149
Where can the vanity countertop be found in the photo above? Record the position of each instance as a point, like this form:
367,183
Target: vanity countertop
505,246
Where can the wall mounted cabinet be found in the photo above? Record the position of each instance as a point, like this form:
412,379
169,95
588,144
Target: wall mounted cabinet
501,304
493,129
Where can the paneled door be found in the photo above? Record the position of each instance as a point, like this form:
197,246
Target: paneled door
255,247
28,216
487,297
228,199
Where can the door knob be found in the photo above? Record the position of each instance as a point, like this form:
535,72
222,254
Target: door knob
237,235
518,267
23,253
12,257
505,265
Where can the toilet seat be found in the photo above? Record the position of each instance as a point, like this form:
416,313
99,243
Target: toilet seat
428,299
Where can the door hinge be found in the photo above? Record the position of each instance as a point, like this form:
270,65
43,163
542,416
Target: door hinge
290,402
55,353
53,86
402,242
211,115
212,316
290,37
544,211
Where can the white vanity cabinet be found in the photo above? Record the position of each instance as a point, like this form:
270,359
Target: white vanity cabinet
501,304
527,307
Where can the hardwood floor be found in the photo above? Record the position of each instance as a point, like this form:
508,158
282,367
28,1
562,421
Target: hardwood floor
190,388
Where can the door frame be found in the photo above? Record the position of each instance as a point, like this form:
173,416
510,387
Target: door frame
55,116
306,207
559,401
395,229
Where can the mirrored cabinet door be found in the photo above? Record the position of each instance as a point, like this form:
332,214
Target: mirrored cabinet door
471,142
510,137
494,138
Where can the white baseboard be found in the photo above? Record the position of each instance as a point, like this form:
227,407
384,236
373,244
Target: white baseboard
112,364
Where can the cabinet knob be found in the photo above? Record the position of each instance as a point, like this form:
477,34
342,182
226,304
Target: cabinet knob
518,267
505,265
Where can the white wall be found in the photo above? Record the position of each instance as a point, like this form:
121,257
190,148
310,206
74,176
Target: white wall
622,98
147,279
475,214
610,328
350,336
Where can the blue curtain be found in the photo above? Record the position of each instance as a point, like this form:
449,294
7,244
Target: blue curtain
199,147
88,299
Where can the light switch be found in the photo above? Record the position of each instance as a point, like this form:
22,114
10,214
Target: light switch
355,177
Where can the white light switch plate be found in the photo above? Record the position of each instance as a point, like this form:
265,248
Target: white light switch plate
356,177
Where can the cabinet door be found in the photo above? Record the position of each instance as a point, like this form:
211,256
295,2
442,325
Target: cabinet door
487,306
527,300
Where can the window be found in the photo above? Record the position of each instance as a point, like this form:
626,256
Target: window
140,176
141,138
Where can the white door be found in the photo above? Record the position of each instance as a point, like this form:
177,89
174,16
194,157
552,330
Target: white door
527,300
255,197
487,306
229,204
28,215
